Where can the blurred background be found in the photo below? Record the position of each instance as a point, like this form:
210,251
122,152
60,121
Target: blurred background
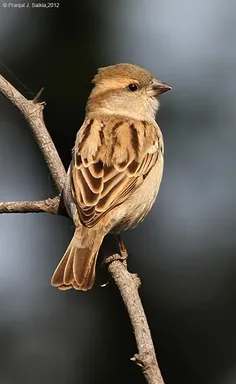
184,252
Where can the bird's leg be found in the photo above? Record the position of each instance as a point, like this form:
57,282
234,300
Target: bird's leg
123,250
123,253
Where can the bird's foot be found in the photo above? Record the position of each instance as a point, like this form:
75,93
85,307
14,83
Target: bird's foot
122,256
114,257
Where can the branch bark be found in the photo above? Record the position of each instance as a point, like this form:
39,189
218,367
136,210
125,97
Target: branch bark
126,282
48,205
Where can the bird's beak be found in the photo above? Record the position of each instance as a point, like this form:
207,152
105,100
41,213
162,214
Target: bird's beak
158,87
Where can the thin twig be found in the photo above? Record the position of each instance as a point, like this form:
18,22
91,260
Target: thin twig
37,97
126,282
48,205
128,285
33,113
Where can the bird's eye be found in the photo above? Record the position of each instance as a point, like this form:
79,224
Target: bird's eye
133,87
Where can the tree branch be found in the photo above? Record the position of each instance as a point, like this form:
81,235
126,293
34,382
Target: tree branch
48,205
128,285
126,282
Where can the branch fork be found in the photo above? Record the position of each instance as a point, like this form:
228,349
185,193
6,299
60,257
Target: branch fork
126,282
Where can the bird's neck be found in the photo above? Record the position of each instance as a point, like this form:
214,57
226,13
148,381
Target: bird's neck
136,114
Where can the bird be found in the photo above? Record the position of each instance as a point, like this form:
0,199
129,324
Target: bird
116,168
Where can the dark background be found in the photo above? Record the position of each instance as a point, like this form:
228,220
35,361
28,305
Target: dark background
184,252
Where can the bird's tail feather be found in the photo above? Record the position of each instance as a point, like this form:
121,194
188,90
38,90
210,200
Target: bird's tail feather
77,267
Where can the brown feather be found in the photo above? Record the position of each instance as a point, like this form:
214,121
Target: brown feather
95,184
100,187
77,267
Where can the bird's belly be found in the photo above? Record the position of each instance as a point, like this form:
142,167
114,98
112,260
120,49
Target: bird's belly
134,210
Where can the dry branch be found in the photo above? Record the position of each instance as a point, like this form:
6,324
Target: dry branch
127,283
48,205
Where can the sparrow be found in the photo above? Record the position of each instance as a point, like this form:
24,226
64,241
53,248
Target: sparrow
116,167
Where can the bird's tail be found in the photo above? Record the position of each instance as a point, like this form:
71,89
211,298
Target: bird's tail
77,267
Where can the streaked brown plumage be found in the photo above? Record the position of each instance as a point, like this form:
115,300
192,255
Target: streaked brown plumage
116,167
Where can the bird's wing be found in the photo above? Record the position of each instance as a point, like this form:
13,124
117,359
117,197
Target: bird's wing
110,160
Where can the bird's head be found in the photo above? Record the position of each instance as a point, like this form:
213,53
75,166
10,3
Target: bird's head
126,90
